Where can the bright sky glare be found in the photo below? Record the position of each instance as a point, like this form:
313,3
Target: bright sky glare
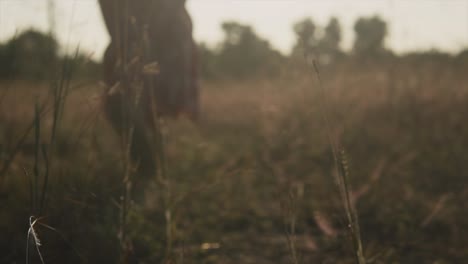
413,25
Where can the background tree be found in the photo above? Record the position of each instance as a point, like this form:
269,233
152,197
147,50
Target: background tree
5,62
329,50
29,56
208,61
34,55
462,57
370,37
243,53
306,38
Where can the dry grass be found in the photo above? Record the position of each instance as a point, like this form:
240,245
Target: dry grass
258,162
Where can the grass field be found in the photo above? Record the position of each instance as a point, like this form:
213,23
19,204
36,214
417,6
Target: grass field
254,180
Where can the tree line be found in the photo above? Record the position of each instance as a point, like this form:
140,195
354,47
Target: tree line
33,55
241,54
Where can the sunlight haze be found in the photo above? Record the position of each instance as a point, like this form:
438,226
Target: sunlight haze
413,25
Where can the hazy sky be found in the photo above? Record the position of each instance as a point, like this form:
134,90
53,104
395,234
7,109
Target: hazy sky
415,24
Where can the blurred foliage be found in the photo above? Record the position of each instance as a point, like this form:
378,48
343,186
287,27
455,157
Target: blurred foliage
329,50
28,55
83,66
306,38
321,44
242,54
33,55
370,37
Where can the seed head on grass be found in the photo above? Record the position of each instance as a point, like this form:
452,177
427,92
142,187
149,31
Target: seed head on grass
35,238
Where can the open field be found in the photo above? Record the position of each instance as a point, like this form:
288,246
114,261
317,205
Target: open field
253,180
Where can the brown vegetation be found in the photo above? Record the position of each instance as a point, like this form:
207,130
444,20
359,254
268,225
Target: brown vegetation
253,181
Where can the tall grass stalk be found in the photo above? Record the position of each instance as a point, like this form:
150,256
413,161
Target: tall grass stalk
37,134
158,148
129,102
165,184
165,187
43,109
342,175
131,85
44,153
291,219
290,209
